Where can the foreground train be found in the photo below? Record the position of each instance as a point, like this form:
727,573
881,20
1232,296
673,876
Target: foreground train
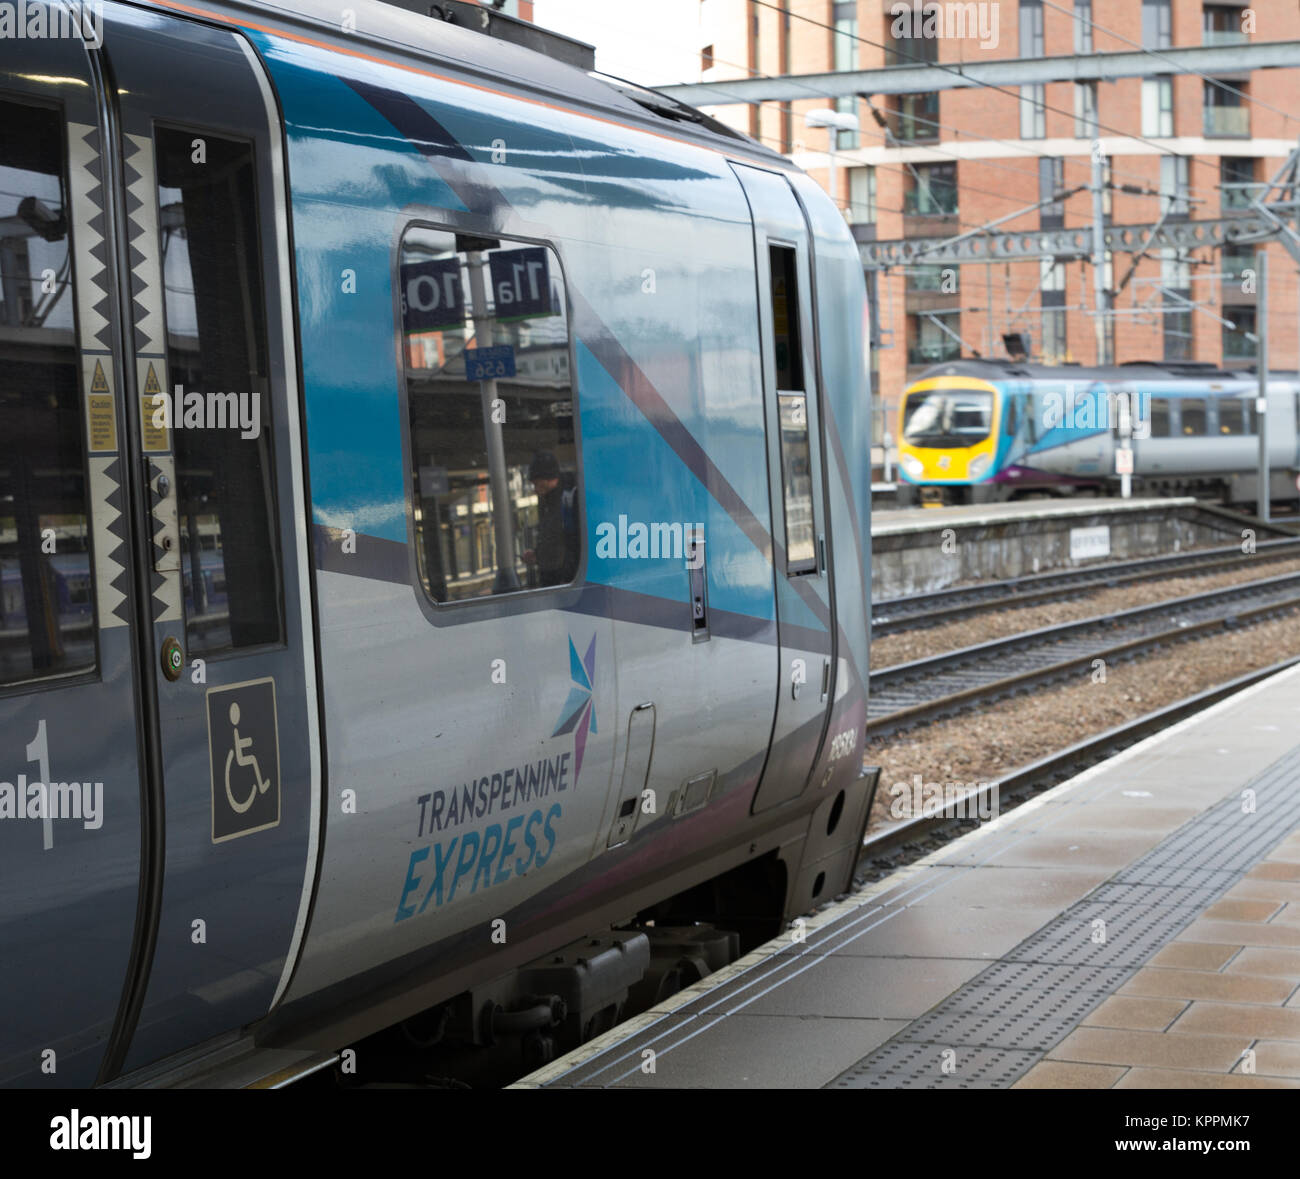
525,411
977,431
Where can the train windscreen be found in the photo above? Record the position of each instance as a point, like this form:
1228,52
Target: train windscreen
947,417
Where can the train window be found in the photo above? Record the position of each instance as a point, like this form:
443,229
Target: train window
1159,417
46,598
217,372
796,480
1232,416
1193,415
485,341
1012,417
785,319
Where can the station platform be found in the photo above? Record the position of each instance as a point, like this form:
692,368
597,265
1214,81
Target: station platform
887,522
1136,927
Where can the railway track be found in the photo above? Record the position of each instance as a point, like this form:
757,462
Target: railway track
907,840
941,685
917,611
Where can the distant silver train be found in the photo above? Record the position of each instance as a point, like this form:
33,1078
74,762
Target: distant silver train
463,459
975,431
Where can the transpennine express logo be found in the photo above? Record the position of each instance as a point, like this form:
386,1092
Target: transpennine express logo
579,710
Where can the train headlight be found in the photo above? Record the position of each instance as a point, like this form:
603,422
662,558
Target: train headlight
979,466
912,466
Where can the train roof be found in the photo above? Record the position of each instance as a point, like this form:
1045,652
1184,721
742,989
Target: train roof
500,64
1144,370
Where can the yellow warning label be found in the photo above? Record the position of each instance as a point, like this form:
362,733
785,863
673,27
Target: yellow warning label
155,412
101,421
99,382
153,428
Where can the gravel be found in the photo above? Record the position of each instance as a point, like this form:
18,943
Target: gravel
981,746
889,650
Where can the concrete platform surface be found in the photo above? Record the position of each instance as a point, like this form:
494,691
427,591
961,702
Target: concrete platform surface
1138,926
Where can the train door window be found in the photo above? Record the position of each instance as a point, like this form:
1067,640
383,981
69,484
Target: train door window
46,598
792,398
785,319
1232,416
1194,416
1159,417
485,342
1031,419
217,395
1012,416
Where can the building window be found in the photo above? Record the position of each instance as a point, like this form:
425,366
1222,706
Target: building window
938,277
1051,182
1177,332
916,116
1238,340
846,58
1156,24
495,500
1033,112
1221,25
1082,26
1173,184
862,196
1031,29
1055,346
1085,110
1236,181
933,192
928,343
903,43
1226,111
1235,260
1175,271
1157,107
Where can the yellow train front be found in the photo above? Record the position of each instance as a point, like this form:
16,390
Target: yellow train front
949,434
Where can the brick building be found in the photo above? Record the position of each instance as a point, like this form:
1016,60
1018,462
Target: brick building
947,162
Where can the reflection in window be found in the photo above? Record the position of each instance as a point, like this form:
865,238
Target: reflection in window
216,352
486,348
46,591
796,480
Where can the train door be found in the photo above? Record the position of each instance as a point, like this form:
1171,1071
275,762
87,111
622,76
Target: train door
214,421
69,719
804,599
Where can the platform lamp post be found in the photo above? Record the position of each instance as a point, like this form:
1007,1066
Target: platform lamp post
837,121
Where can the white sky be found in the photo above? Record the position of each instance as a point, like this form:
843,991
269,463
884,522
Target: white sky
653,42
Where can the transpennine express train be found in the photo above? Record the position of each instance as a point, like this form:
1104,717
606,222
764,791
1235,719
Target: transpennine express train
975,431
526,411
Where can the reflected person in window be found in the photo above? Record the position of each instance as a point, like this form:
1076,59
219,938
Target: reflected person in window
554,558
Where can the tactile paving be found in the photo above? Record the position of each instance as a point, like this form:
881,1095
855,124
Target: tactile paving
991,1031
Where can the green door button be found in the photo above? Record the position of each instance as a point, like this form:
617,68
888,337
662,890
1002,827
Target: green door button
172,659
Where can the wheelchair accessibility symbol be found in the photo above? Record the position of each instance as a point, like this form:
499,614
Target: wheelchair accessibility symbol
244,757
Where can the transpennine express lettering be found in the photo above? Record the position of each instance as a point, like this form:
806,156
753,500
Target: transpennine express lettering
472,860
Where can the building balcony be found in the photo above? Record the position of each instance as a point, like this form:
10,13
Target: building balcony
1227,122
1225,37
